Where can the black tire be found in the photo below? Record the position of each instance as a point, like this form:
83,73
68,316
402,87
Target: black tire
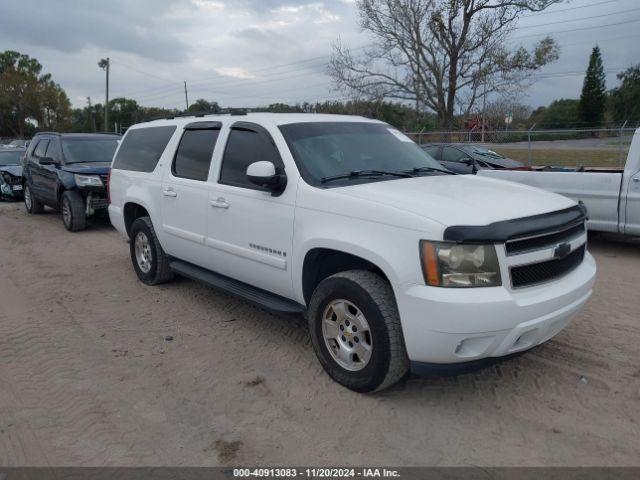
159,271
373,296
31,203
74,215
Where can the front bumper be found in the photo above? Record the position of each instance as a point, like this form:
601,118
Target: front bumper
447,325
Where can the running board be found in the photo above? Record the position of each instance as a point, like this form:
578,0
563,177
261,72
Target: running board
267,300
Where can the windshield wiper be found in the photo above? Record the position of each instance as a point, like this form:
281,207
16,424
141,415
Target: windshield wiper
365,173
427,169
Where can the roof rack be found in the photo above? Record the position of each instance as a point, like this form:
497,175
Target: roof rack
224,111
77,133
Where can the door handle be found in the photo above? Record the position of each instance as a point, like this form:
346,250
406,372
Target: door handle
219,203
169,192
635,179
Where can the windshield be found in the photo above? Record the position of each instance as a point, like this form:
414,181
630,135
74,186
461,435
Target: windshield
327,149
89,150
486,153
11,158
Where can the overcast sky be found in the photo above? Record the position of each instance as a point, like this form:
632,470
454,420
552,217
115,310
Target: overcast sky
256,52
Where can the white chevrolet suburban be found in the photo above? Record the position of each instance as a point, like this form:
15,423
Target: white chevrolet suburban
396,263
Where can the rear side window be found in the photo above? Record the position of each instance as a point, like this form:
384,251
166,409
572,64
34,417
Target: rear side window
193,157
432,150
142,148
245,147
450,154
41,148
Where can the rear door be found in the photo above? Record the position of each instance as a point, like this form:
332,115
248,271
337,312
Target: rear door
185,193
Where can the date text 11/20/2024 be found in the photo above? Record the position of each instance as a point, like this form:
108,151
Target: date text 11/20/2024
316,472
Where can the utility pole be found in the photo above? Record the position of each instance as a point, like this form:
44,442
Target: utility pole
104,64
186,96
484,106
92,120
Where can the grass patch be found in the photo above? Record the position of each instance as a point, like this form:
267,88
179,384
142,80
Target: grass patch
565,158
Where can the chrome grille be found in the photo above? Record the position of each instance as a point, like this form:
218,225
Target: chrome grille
522,245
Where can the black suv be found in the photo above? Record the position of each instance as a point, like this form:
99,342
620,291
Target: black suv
68,172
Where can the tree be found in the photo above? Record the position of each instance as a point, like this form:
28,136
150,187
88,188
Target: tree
563,113
27,96
497,110
593,96
440,54
625,99
203,106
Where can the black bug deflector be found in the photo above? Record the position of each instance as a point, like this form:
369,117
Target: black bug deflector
500,232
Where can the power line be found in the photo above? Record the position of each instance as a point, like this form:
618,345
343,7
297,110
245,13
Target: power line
576,29
579,19
568,9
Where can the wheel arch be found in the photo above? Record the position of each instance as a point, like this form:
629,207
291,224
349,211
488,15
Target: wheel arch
321,262
131,211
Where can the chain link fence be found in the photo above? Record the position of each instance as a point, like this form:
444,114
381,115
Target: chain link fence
597,147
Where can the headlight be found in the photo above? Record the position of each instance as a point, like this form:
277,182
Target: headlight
454,265
88,181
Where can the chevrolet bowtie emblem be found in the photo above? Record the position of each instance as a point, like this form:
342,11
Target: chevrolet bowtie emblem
562,251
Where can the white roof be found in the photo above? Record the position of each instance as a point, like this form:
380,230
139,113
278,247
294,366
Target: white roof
260,118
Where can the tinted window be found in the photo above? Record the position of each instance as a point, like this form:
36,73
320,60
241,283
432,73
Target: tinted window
432,150
11,157
194,154
53,151
450,154
41,148
142,148
243,148
77,150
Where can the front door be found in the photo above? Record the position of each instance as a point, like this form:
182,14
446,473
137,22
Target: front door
456,160
250,231
185,194
49,173
37,171
632,217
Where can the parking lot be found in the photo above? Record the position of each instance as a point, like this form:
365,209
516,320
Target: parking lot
98,369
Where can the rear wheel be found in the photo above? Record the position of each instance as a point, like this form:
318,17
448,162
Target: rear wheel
74,216
149,260
356,332
31,203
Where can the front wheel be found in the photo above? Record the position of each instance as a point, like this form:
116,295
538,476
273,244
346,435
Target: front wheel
355,330
74,216
31,203
149,260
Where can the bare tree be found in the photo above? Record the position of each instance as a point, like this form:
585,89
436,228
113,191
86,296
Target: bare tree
441,54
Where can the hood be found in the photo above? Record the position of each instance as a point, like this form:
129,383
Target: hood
499,162
459,199
88,168
12,169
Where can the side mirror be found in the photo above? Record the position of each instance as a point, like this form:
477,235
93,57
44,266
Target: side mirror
266,175
467,161
46,161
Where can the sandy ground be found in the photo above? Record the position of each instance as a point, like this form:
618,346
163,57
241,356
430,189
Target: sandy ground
89,377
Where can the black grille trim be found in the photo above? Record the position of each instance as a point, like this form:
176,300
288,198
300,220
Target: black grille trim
516,246
536,273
